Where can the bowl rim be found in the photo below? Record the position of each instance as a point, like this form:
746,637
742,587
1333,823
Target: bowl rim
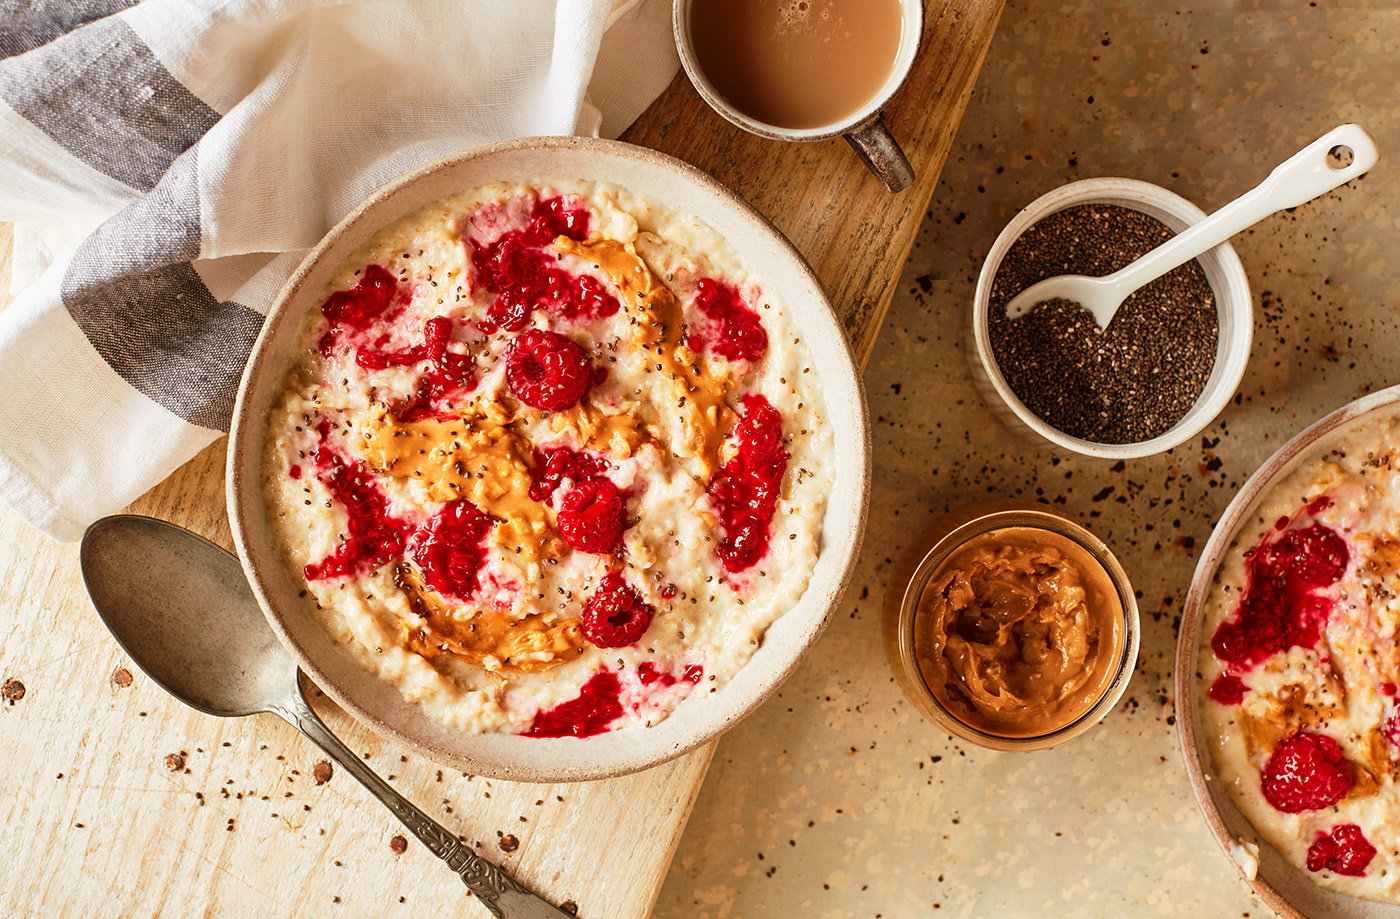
1190,735
1233,300
244,494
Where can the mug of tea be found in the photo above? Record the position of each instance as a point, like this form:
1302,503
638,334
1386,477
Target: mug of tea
805,69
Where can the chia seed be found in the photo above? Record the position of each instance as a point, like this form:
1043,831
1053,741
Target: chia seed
1124,384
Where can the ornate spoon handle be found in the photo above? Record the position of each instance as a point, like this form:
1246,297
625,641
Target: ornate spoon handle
500,893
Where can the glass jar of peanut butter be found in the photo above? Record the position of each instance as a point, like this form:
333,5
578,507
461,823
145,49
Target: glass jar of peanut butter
1017,630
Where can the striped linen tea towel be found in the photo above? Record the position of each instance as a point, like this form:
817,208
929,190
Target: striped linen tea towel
167,163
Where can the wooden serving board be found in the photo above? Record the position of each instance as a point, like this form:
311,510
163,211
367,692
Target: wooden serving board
121,802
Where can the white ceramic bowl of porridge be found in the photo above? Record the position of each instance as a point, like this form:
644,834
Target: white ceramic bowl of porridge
500,750
1286,887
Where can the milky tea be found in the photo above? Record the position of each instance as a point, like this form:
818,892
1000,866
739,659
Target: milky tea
797,64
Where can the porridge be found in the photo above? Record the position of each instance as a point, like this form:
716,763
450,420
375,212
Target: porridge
1301,664
552,460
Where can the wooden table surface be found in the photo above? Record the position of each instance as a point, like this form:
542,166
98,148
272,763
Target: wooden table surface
122,802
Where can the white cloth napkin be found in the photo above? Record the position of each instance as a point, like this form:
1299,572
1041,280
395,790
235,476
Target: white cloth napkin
168,162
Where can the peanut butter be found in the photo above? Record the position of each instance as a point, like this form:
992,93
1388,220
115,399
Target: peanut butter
656,327
1018,632
490,639
480,457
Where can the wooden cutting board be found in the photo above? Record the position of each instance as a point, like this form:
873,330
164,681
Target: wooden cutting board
120,801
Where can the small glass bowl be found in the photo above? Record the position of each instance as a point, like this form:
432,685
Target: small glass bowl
952,533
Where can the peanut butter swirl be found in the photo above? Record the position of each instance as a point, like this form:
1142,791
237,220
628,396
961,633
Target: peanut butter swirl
485,457
479,456
657,328
489,639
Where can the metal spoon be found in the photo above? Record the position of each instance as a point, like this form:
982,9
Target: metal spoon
1305,175
181,608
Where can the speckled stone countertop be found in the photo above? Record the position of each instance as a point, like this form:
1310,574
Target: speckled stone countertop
836,799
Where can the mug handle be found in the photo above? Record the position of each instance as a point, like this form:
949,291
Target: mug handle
877,147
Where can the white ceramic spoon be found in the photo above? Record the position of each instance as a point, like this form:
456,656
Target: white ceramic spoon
1310,172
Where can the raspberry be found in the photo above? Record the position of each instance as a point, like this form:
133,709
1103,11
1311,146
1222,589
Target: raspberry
615,616
547,371
746,489
1346,851
450,549
1306,772
592,516
551,465
736,331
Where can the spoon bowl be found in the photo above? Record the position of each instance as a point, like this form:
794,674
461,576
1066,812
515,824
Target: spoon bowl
181,608
190,621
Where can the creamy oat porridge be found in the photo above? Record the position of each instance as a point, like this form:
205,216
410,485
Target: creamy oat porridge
1300,664
552,461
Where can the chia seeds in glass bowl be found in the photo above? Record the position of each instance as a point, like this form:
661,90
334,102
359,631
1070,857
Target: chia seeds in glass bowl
1130,382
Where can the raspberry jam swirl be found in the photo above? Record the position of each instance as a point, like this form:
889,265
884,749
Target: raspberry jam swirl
1284,604
747,488
524,277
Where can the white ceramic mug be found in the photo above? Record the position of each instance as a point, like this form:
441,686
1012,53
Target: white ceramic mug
863,128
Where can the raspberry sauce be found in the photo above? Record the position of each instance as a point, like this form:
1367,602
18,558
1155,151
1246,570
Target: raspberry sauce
374,537
374,301
1345,851
525,277
732,330
451,548
1281,606
648,675
1390,730
590,713
1228,689
745,490
352,312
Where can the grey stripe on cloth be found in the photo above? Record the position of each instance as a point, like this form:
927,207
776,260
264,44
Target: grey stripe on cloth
102,95
133,291
27,24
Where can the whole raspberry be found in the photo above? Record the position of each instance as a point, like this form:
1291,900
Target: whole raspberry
1346,851
551,465
615,616
450,549
592,516
1306,772
547,371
